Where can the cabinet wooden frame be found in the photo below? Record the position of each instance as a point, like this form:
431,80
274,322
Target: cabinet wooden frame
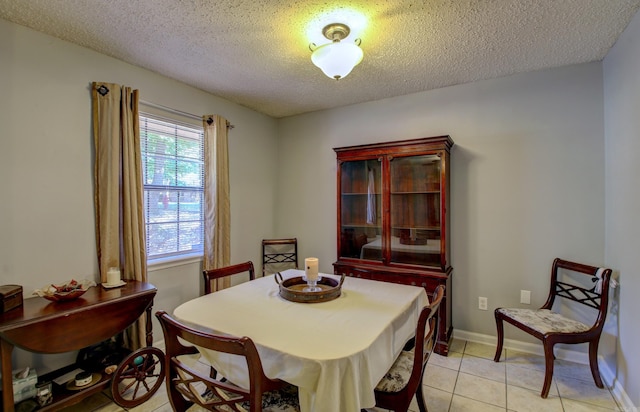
399,204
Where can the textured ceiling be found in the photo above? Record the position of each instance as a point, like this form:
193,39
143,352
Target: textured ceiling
256,52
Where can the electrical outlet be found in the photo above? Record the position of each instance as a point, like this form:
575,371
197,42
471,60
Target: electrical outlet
525,297
482,303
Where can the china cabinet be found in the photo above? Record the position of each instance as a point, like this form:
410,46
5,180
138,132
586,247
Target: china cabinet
392,216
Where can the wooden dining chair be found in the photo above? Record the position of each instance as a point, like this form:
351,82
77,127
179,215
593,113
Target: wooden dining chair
212,274
187,385
278,255
551,327
404,379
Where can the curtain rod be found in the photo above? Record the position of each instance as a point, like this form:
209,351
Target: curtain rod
169,109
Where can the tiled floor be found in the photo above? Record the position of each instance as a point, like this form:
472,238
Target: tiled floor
469,380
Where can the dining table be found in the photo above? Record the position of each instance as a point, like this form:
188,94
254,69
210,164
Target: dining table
334,351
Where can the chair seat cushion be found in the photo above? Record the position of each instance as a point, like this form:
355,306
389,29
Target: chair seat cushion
283,400
398,375
544,320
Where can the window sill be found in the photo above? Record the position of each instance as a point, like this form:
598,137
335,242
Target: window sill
170,262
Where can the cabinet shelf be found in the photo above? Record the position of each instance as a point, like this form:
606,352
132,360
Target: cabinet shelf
359,194
64,397
428,192
436,228
409,241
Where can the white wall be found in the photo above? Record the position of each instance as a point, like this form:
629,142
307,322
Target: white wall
622,139
46,185
527,179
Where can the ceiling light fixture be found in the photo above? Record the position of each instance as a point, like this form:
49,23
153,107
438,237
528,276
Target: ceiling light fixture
336,59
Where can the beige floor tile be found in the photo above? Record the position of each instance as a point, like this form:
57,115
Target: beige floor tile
440,378
572,370
158,400
575,406
111,407
451,362
93,402
481,350
163,408
481,389
483,367
524,400
413,406
528,378
462,404
586,392
457,345
435,400
524,359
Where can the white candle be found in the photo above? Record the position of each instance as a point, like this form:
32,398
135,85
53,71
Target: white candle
311,268
113,276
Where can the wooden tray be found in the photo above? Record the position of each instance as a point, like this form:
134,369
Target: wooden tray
292,289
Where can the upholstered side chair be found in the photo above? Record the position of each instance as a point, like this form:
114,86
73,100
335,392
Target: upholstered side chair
552,327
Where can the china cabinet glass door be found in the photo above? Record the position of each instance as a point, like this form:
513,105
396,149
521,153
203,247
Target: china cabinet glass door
415,210
361,205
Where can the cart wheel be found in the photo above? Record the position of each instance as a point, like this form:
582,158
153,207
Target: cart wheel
138,377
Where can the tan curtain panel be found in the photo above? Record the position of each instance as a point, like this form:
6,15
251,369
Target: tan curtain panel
120,231
217,224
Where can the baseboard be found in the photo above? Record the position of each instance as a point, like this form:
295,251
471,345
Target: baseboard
569,355
608,375
618,392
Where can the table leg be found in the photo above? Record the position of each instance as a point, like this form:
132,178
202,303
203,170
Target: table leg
149,325
7,380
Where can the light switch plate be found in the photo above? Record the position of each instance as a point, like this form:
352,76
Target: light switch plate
525,297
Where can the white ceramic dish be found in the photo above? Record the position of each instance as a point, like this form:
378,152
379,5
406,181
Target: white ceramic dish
115,285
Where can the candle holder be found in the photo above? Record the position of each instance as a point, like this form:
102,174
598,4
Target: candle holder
312,285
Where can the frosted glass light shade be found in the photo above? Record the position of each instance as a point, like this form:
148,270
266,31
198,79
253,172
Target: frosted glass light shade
337,59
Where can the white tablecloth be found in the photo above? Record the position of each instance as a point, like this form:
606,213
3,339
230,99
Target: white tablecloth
335,352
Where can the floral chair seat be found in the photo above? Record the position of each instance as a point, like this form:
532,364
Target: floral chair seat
544,320
398,375
283,400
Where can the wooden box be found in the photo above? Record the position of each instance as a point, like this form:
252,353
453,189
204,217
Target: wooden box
10,297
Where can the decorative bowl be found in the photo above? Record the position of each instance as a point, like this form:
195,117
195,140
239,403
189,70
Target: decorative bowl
66,291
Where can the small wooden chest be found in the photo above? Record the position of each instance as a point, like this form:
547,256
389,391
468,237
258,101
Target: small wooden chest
10,297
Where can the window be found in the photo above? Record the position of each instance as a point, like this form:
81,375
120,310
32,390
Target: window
173,176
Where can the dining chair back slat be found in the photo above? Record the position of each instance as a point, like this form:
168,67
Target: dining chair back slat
279,255
213,274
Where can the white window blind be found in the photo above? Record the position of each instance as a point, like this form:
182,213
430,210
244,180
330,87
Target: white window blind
173,175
